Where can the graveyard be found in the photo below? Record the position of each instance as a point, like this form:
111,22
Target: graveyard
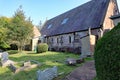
46,60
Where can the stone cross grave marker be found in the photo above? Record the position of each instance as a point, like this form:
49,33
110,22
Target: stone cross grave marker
47,74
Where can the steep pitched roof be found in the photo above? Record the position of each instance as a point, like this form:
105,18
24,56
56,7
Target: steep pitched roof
90,14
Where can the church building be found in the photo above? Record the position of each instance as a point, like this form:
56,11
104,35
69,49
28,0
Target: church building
78,29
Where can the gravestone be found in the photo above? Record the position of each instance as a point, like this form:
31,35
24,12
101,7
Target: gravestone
28,63
25,67
47,74
5,60
4,56
70,61
13,68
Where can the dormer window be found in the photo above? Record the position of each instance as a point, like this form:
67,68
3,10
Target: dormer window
49,26
65,21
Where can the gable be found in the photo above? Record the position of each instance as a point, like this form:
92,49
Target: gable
36,32
111,10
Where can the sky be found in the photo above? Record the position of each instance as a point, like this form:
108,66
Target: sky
39,10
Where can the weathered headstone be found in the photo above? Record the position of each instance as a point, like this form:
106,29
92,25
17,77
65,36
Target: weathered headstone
27,63
5,60
4,56
47,74
13,68
26,66
71,61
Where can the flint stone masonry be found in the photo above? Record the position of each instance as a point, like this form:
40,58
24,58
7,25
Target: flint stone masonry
47,74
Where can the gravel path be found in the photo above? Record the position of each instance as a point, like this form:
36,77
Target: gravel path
84,72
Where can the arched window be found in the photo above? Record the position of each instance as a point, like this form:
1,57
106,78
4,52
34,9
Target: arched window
70,39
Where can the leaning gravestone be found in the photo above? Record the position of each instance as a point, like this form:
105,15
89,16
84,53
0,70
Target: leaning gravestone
5,60
26,66
71,61
13,68
47,74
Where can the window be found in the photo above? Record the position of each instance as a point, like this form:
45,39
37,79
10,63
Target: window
65,21
57,40
70,39
52,40
61,40
49,26
76,38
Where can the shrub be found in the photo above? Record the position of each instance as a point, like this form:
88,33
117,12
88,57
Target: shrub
107,55
42,47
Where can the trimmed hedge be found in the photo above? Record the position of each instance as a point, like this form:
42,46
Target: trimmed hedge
42,47
107,55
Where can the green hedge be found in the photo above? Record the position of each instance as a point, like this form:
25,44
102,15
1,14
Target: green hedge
107,55
42,47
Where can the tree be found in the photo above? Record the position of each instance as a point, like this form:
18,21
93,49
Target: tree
3,36
21,30
4,23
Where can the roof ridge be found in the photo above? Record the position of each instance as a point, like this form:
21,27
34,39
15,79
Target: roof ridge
90,14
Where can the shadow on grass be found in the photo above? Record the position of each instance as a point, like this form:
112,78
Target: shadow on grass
48,60
23,75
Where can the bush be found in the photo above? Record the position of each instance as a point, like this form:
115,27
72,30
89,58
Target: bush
42,47
107,55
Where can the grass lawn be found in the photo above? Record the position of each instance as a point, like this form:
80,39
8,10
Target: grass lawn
48,60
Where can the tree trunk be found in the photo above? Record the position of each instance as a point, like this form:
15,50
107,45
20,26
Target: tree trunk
20,48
